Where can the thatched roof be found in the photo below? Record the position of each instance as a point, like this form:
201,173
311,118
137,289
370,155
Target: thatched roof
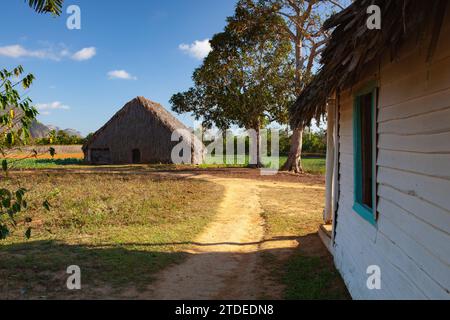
155,109
352,47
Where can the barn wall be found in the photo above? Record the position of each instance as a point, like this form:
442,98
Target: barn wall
136,129
411,242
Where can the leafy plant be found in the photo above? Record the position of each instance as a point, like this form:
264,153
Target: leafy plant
46,6
12,203
16,115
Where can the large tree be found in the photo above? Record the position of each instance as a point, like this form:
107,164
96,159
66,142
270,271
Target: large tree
303,26
247,79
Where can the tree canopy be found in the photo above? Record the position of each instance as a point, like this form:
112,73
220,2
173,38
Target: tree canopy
247,78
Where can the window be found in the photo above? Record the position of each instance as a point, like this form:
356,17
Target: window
365,155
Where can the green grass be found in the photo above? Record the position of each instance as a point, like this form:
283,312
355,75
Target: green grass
120,229
311,278
32,163
314,165
310,165
308,272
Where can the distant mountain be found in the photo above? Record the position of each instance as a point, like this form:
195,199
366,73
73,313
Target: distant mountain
73,132
40,130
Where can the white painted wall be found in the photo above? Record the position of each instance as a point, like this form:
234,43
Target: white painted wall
411,242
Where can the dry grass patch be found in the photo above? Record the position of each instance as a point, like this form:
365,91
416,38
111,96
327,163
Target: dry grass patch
119,228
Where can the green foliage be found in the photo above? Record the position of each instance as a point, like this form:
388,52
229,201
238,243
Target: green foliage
314,165
284,142
46,6
16,115
314,143
11,203
312,278
247,79
33,163
60,138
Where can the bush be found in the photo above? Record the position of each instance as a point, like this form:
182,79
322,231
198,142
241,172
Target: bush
60,138
313,142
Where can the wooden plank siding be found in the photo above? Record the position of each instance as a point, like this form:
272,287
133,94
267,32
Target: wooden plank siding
411,242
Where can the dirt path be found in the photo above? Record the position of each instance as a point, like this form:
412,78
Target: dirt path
224,263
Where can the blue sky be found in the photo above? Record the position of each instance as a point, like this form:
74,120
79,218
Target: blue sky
124,49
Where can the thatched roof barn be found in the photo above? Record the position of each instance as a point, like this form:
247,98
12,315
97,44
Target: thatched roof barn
141,132
386,94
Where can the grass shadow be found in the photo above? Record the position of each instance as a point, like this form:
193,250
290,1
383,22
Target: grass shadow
37,269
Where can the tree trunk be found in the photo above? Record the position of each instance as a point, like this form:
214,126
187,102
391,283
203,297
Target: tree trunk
257,163
293,162
258,148
298,64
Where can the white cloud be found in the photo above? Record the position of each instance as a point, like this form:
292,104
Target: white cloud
64,53
50,52
198,49
84,54
17,51
44,108
120,74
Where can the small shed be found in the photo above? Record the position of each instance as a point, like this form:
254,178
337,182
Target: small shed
141,132
386,94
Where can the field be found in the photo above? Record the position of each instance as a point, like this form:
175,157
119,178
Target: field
71,156
42,152
134,229
313,165
121,228
310,165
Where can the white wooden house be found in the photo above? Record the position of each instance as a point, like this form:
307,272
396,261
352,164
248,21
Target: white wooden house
387,98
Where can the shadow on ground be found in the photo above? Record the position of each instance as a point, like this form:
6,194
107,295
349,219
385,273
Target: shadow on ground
37,269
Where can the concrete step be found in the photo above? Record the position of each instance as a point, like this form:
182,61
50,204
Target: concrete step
325,234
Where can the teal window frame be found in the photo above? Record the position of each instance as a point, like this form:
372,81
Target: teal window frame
368,214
